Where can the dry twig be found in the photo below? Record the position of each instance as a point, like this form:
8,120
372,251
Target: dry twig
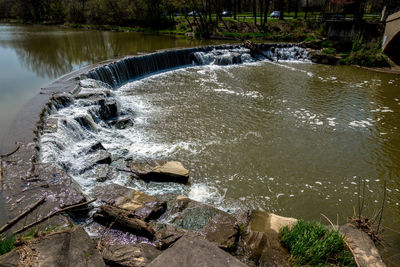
16,219
53,214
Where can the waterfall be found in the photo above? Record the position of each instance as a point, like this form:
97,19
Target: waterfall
88,132
119,72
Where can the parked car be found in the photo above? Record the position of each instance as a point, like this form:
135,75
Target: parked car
194,13
275,14
226,13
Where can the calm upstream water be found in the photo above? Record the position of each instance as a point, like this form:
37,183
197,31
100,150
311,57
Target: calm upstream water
292,138
33,56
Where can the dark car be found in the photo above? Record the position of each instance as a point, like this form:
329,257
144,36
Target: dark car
226,14
275,14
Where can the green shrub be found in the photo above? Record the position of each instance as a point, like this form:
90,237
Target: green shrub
182,27
6,244
326,44
313,244
366,58
328,51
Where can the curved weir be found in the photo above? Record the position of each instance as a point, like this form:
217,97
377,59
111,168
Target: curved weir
119,72
91,132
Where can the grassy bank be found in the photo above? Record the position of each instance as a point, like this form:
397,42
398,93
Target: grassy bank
312,244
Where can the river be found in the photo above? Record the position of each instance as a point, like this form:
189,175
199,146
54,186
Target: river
294,138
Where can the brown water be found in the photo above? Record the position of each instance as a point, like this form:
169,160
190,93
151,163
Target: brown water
290,138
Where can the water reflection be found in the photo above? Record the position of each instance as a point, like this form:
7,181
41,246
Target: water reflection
51,52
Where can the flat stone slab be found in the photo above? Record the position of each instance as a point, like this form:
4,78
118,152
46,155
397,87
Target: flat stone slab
172,171
72,248
261,221
130,255
364,250
195,252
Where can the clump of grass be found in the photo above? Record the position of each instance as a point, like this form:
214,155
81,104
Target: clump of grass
6,244
313,244
328,51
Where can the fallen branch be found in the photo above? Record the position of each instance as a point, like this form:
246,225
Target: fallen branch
9,154
16,219
53,214
124,219
255,50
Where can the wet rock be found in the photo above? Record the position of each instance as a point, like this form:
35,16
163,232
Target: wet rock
86,121
96,147
121,123
363,248
98,157
172,171
62,100
130,255
93,94
109,109
101,172
72,247
232,58
51,125
195,252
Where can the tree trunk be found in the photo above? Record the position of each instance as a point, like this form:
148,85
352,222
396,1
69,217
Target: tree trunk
255,11
296,9
305,14
123,219
266,11
281,4
261,11
234,9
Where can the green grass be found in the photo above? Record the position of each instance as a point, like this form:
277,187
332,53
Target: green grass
6,244
313,244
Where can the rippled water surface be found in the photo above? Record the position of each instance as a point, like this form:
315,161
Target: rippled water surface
290,138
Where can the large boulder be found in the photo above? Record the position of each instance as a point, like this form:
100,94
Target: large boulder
262,242
108,109
172,171
215,225
121,123
130,255
195,252
72,247
363,248
144,206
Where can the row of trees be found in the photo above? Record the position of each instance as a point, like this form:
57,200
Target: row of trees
159,12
